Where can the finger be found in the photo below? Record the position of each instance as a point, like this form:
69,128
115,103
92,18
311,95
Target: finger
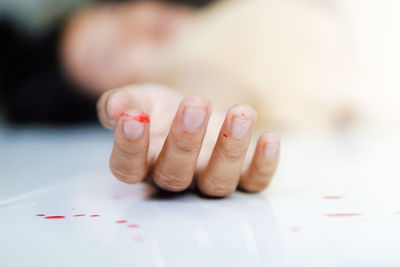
110,104
148,98
176,163
128,161
263,165
221,176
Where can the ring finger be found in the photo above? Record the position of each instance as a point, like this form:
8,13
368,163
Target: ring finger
221,176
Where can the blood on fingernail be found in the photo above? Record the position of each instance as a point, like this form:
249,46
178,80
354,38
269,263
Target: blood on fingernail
142,117
225,135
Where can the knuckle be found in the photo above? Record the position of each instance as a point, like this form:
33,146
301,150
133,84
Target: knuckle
255,186
232,154
171,180
129,178
265,171
218,189
186,147
127,151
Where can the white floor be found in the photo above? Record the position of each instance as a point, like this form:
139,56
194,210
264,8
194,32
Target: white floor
334,202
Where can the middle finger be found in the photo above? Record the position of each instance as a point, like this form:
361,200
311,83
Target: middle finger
176,163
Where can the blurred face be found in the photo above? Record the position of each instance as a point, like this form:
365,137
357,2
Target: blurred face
113,45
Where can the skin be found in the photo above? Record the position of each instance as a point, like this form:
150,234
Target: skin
109,46
170,151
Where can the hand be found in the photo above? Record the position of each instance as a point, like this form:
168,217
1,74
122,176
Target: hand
176,148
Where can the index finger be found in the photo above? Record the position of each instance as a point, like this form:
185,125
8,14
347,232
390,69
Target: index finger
144,97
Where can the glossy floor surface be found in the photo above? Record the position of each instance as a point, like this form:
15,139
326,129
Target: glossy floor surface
334,202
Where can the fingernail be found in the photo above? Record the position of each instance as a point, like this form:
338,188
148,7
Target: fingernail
270,150
240,127
193,118
133,129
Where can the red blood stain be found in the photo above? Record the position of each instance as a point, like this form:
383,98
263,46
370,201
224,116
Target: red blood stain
121,221
225,135
79,215
140,118
55,217
295,229
343,214
332,197
40,215
133,225
95,215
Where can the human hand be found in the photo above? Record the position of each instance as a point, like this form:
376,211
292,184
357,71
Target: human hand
151,136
